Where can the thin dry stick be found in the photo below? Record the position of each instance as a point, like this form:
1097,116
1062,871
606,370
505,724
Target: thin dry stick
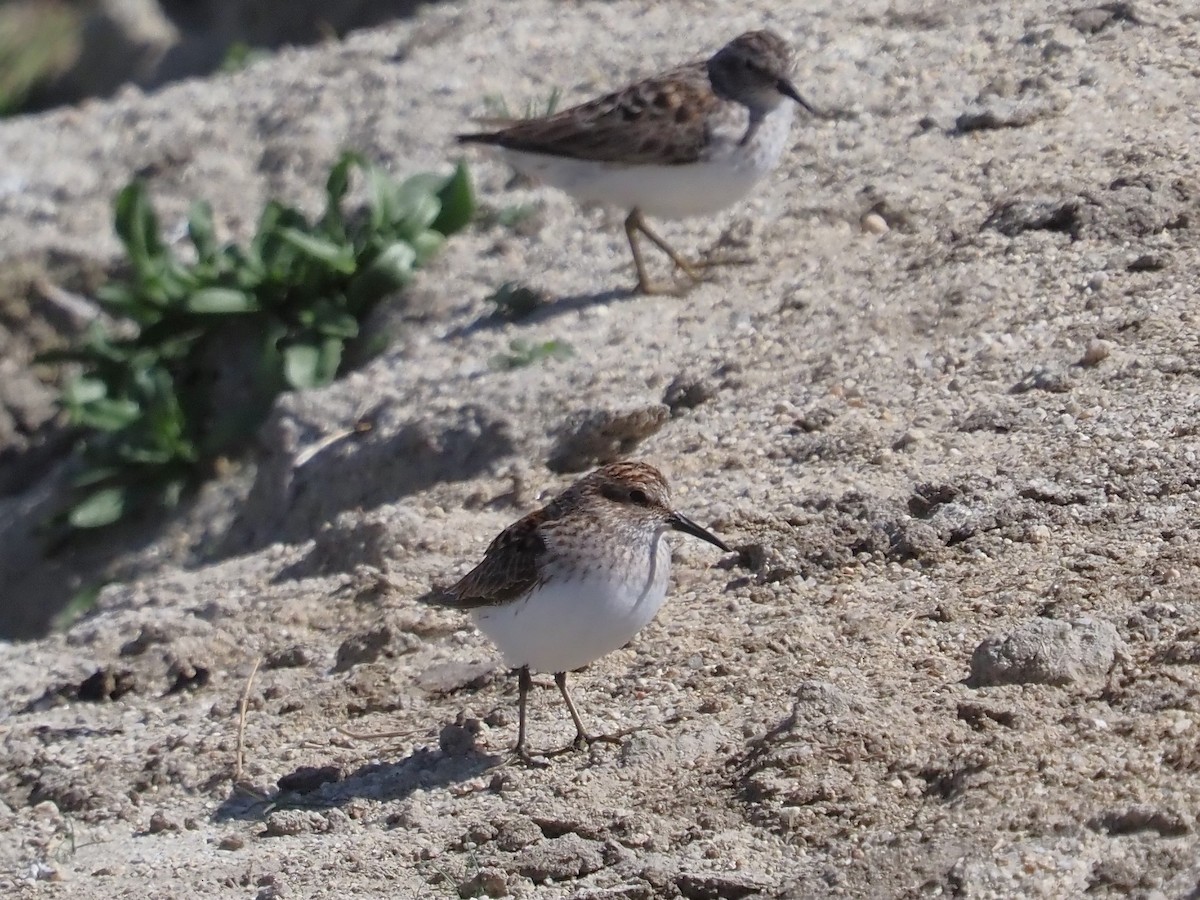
379,735
241,738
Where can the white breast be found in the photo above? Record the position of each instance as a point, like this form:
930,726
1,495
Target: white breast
571,621
728,174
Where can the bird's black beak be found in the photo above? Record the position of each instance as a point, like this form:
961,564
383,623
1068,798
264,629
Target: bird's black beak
680,522
788,89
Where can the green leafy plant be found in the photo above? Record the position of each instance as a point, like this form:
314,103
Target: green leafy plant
522,353
80,603
200,348
240,55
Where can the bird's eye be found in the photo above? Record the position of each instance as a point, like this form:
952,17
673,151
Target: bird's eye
638,496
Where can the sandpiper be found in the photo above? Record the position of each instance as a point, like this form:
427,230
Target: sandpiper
576,579
688,142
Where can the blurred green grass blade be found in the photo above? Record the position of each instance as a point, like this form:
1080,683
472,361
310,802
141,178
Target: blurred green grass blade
99,508
219,301
339,257
137,225
458,202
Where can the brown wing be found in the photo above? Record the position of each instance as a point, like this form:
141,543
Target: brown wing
509,567
656,120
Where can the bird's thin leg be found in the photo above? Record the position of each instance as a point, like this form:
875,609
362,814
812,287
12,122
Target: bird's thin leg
523,684
581,735
636,222
631,229
582,738
521,752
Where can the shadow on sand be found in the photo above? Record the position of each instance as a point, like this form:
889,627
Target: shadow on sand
422,769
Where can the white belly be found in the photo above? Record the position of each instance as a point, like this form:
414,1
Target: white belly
668,192
571,621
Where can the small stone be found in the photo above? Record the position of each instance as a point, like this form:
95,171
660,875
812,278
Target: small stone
293,657
307,779
687,392
569,856
1047,651
448,677
231,842
874,223
489,881
160,823
187,677
1142,819
362,648
1148,262
517,833
603,435
1097,351
1051,381
721,885
1095,19
291,822
459,738
105,684
41,871
147,637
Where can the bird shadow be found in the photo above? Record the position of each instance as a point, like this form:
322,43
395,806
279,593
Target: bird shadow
422,769
545,312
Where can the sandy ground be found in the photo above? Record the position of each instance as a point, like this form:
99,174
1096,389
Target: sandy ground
948,416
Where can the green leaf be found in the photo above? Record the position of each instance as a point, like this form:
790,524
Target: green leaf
102,507
331,358
178,280
137,226
338,182
426,244
202,232
221,301
313,362
417,206
333,224
458,202
334,323
423,183
339,257
391,269
95,475
120,298
107,414
302,365
79,391
383,198
268,223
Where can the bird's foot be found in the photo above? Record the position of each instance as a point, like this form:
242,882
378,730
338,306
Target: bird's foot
522,754
584,741
714,259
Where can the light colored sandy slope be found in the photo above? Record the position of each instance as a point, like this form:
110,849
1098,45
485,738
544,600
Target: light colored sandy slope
809,731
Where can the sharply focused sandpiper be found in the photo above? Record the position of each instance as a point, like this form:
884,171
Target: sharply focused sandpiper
688,142
576,579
